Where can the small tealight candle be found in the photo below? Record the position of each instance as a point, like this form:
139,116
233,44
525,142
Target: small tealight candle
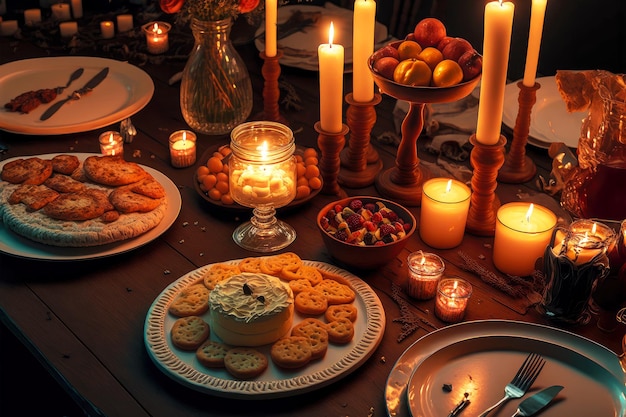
107,29
124,22
445,203
77,9
453,296
32,17
183,148
157,37
8,27
425,270
111,143
61,11
587,241
68,29
523,231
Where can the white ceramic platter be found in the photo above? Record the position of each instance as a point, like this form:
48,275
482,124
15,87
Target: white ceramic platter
16,245
126,90
550,121
481,357
340,360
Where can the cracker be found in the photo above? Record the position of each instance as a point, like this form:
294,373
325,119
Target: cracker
33,196
191,301
211,354
311,302
218,273
64,184
188,333
303,271
340,331
336,292
291,352
315,331
113,170
251,264
148,187
74,207
32,170
274,264
341,311
127,201
298,285
245,363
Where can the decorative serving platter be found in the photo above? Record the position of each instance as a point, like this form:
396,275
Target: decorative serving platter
340,360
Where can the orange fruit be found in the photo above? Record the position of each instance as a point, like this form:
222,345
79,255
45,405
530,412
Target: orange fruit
409,49
432,56
447,73
215,164
413,72
310,152
222,186
209,181
312,171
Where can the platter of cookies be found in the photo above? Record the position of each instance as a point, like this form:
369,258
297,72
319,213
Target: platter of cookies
78,206
227,328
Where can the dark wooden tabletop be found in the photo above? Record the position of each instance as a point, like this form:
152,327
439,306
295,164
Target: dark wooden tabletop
85,319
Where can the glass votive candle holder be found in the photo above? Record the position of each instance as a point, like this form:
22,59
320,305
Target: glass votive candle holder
111,143
425,270
157,37
453,296
183,148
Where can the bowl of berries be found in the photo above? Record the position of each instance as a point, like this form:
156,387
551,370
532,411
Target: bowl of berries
365,232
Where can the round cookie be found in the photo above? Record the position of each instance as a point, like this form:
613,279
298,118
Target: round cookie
311,302
113,170
340,331
65,164
218,273
336,292
245,363
251,264
192,301
339,311
188,333
211,354
304,271
291,352
316,331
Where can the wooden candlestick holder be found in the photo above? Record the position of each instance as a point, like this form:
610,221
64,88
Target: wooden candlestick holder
403,183
517,167
330,145
484,204
271,91
360,162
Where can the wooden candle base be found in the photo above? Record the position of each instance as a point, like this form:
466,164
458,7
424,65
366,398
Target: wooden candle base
517,167
485,160
271,92
403,183
360,162
330,145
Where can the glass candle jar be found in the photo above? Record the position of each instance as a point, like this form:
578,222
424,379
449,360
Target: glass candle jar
425,270
262,175
111,143
183,148
453,296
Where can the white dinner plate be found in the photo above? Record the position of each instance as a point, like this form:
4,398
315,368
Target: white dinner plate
300,48
126,90
16,245
550,121
481,357
339,361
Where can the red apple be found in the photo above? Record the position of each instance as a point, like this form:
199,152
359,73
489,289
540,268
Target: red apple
385,66
429,31
455,48
386,50
442,43
471,63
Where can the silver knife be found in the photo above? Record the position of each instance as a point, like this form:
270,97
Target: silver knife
90,85
531,405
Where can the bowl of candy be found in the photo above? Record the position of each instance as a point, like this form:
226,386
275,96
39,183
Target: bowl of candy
365,232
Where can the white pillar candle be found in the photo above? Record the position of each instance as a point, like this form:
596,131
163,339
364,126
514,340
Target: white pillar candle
124,22
331,63
445,203
77,9
107,29
111,143
363,46
157,37
183,148
8,27
537,14
68,29
523,232
496,46
32,17
61,11
271,11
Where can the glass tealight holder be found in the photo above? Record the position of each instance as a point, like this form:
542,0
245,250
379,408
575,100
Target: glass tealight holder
262,176
111,143
425,270
453,296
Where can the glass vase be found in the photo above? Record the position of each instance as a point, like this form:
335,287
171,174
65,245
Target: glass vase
215,91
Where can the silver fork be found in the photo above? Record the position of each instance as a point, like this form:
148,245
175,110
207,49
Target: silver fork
522,381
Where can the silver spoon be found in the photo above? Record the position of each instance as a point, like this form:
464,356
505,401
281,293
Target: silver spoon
75,75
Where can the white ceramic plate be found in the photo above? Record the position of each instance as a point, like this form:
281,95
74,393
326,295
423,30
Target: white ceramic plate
126,90
16,245
481,357
340,360
300,49
550,121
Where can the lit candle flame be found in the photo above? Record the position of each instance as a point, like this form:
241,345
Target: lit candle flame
156,29
331,34
593,229
449,186
529,212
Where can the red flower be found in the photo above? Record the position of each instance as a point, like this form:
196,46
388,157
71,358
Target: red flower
246,6
172,6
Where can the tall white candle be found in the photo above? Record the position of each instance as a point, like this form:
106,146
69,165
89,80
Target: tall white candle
363,46
331,63
8,27
271,12
107,29
77,9
61,11
534,41
32,17
124,22
68,29
496,46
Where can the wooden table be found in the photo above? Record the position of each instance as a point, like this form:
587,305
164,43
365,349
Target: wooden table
85,319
